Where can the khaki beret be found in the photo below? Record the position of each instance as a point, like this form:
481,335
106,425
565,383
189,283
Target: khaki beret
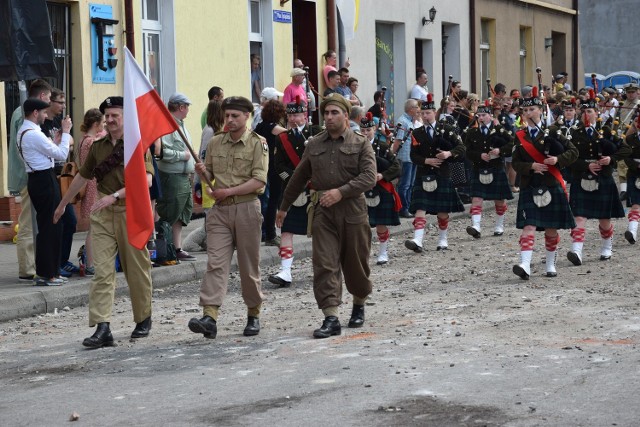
239,103
337,100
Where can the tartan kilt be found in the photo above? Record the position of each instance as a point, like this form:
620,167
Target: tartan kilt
296,220
604,203
444,199
633,194
384,213
499,189
555,215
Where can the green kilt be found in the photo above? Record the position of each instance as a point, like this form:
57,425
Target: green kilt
296,220
384,213
498,190
444,199
633,194
556,214
604,203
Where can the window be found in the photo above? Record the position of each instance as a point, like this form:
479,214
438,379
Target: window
151,42
255,48
485,55
525,58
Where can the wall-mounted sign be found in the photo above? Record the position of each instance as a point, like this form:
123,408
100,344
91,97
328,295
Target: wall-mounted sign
282,16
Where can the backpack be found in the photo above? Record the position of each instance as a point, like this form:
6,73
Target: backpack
165,249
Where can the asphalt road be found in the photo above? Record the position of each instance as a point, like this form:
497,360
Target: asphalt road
451,338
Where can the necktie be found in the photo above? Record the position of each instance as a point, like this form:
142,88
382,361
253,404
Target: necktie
430,131
590,132
296,131
484,130
533,132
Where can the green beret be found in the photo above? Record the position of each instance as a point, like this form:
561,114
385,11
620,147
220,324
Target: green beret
337,100
239,103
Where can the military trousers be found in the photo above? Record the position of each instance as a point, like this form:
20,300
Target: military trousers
233,227
341,245
109,237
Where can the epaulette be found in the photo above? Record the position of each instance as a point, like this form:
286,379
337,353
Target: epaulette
357,132
220,132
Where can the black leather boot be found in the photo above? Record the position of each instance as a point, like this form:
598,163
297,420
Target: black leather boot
205,326
253,326
101,338
142,329
330,326
357,316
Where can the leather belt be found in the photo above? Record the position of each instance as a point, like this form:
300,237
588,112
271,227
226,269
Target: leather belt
234,200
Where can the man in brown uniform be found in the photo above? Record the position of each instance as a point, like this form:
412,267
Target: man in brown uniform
341,166
105,162
238,160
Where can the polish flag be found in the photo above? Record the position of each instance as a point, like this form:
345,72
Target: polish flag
145,119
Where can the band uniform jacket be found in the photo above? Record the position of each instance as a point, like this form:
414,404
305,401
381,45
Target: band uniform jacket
593,147
633,160
477,143
522,162
386,162
424,147
283,164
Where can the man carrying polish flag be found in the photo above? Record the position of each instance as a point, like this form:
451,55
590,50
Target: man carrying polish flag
121,218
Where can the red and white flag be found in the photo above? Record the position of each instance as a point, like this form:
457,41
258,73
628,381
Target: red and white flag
145,119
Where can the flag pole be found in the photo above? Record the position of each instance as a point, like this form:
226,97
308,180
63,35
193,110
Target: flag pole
195,157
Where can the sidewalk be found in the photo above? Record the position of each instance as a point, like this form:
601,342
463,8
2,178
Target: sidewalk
22,299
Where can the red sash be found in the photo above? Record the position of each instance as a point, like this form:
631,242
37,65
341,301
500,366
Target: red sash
288,148
391,189
539,158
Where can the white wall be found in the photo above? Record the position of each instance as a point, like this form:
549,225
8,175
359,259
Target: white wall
362,49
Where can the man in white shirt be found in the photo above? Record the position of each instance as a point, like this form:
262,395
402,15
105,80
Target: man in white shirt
39,154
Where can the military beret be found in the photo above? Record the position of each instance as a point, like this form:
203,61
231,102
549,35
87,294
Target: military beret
112,102
33,104
239,103
337,100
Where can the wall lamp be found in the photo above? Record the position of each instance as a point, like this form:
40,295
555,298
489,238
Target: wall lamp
548,42
432,17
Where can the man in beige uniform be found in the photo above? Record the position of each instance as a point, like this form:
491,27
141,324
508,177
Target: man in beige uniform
105,162
341,165
627,116
238,160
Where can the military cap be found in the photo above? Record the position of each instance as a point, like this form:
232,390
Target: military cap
569,102
532,99
239,103
33,104
112,102
428,104
298,106
337,100
367,121
591,102
631,86
485,108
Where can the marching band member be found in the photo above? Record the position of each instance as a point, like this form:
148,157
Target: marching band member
486,147
633,180
433,146
289,149
383,201
594,193
537,156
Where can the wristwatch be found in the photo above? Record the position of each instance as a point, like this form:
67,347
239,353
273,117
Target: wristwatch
116,195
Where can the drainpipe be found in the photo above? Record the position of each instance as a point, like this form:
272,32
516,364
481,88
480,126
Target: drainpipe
129,27
576,46
332,20
472,44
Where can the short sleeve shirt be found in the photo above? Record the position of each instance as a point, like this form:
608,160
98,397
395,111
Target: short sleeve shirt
235,162
114,180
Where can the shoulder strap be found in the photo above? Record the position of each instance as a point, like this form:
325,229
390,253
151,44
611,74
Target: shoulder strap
19,144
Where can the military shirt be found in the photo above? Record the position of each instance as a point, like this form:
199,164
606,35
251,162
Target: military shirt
347,163
232,163
114,180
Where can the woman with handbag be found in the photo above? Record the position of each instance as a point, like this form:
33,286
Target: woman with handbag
93,128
